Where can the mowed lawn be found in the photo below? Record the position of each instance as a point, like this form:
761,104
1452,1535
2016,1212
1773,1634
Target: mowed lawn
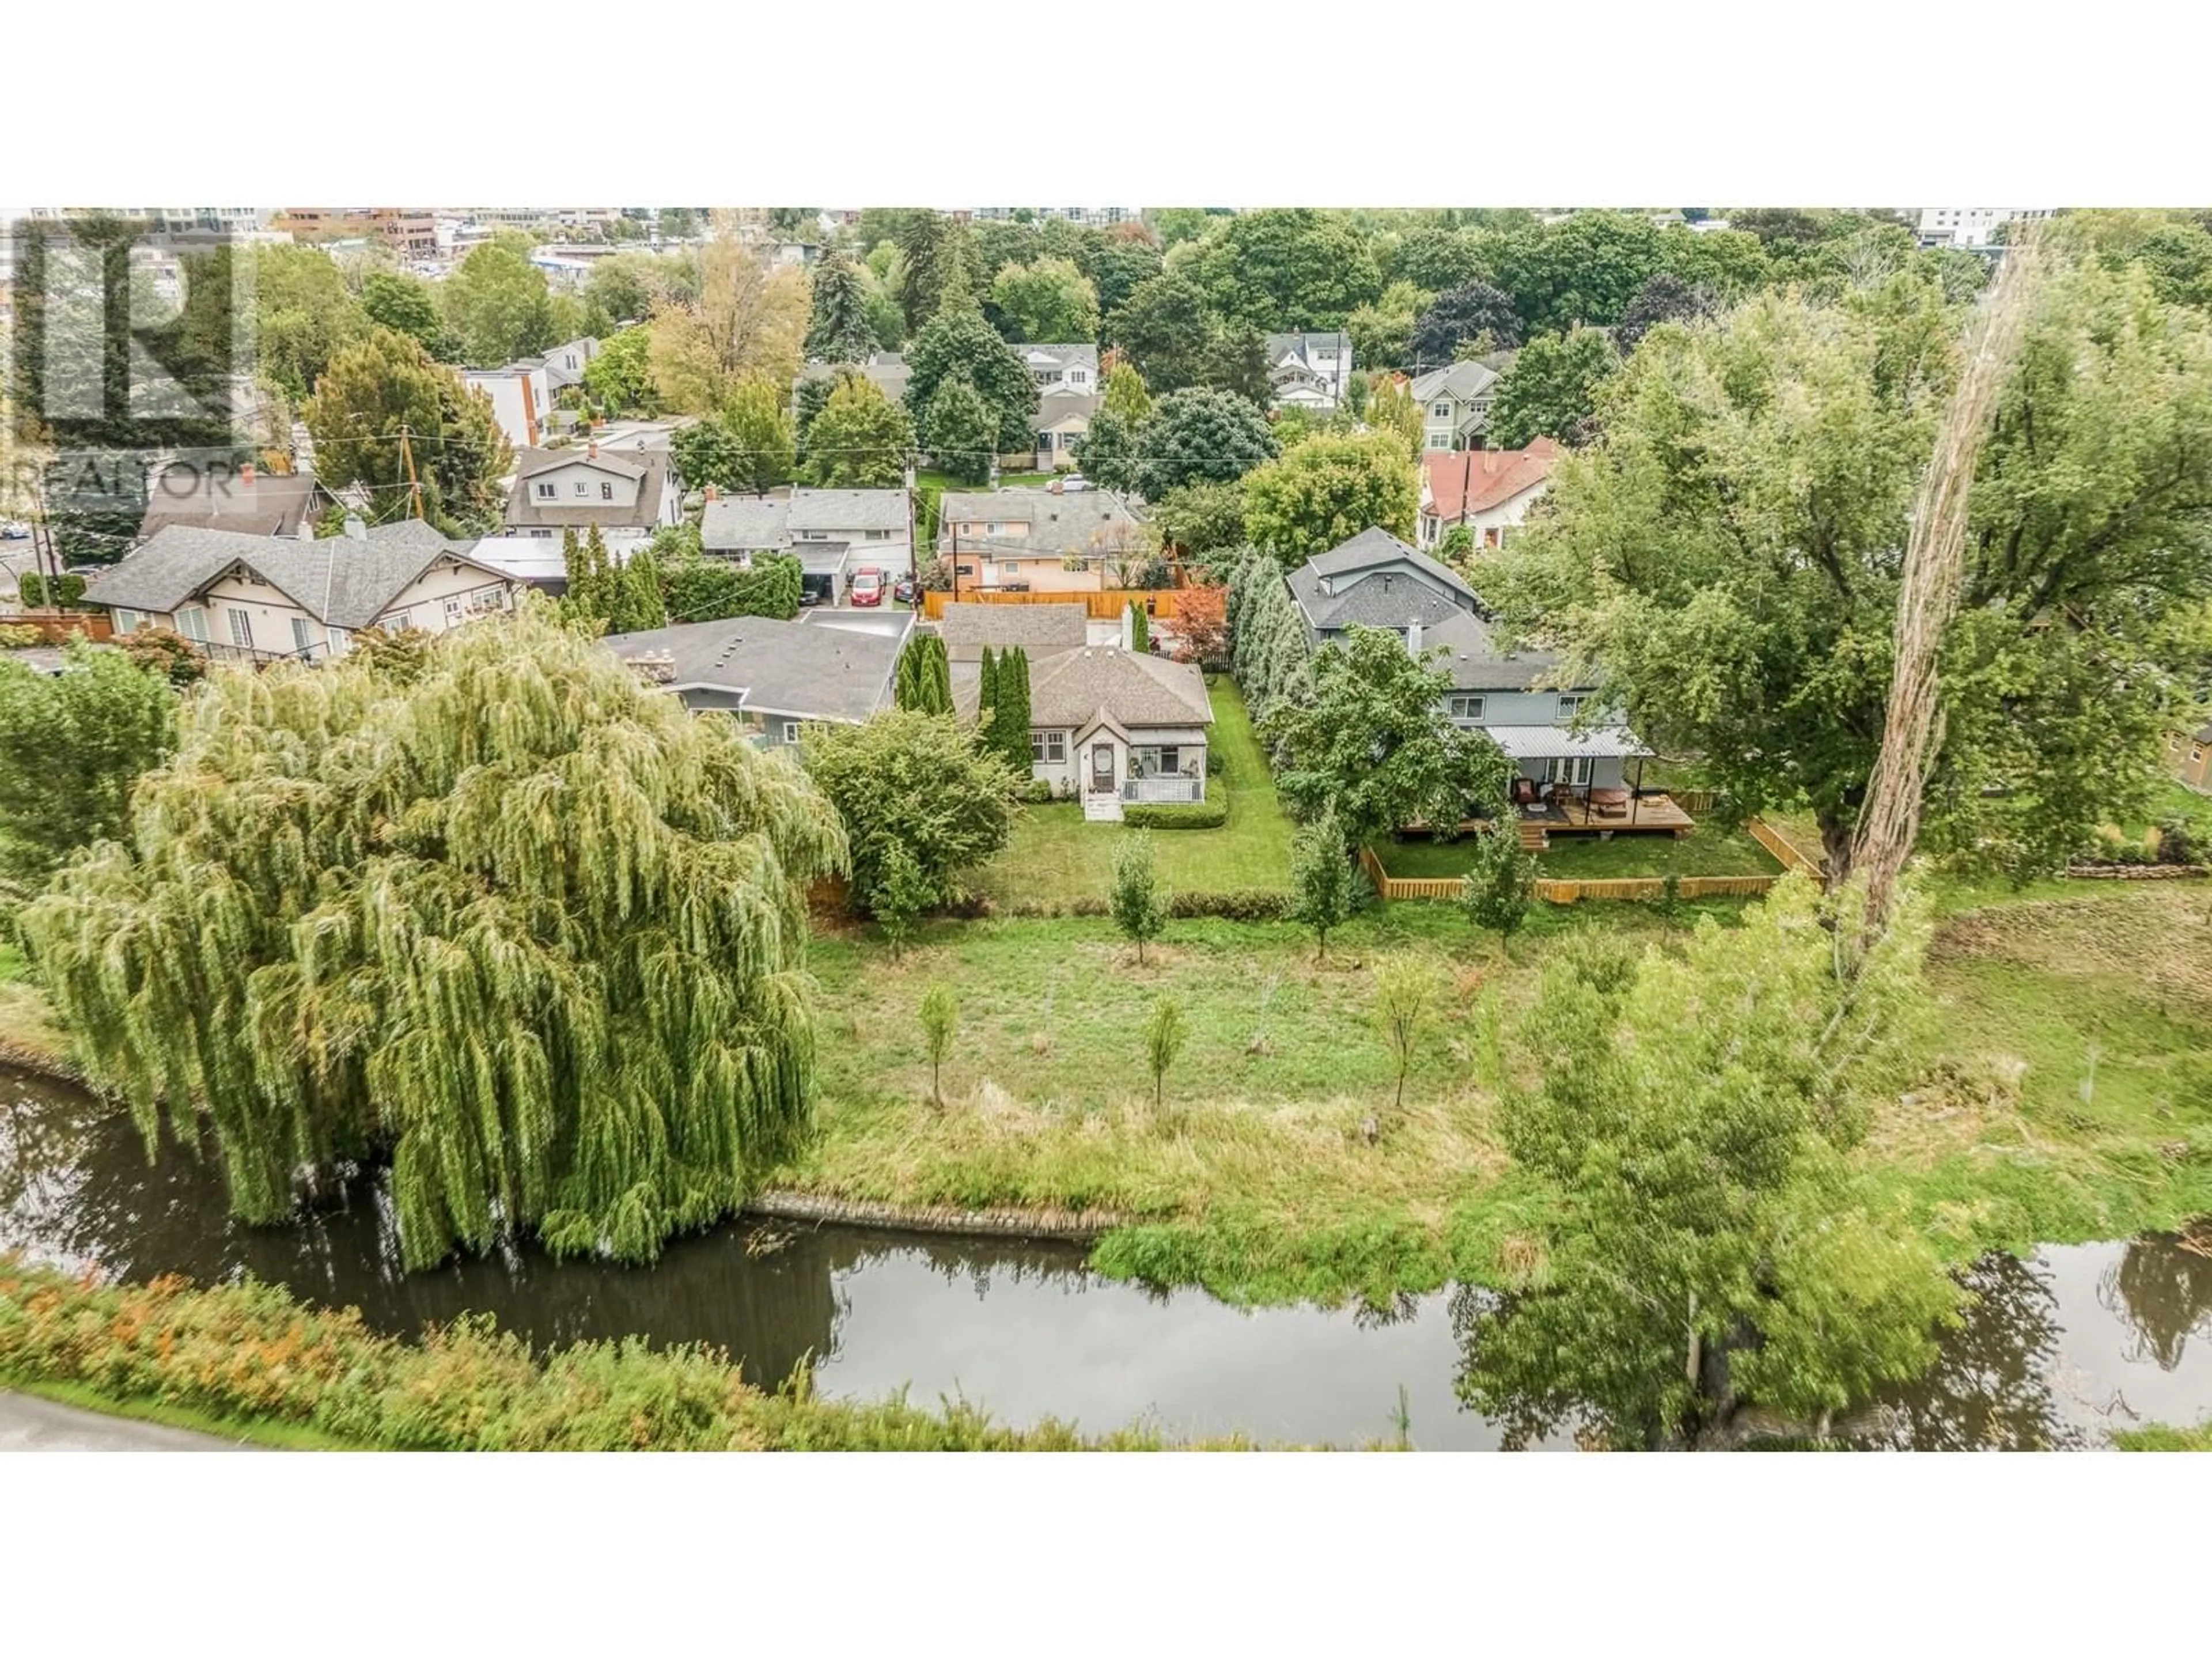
1057,857
1709,850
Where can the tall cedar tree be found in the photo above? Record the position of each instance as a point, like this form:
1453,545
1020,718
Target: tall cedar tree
1010,710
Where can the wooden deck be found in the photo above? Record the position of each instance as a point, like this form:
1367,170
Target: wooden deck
1651,814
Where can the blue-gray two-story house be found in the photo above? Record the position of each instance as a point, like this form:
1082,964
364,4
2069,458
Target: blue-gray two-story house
1574,774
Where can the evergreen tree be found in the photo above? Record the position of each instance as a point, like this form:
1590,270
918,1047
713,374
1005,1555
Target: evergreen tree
840,331
986,696
923,680
1010,710
959,342
961,432
1140,638
516,925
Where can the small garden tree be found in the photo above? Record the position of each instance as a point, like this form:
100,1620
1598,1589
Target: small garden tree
1409,994
1140,636
901,895
1140,909
940,1016
1165,1032
1501,882
1321,880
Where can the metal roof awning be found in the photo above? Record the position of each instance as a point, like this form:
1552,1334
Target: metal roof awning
1558,743
821,558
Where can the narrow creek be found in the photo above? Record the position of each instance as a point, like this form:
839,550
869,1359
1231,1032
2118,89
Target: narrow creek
2056,1350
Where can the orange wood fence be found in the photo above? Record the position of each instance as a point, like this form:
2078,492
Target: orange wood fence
60,625
1615,887
1106,604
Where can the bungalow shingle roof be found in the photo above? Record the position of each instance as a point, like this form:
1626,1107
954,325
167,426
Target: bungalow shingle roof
1130,688
1060,521
270,504
973,624
786,668
1379,599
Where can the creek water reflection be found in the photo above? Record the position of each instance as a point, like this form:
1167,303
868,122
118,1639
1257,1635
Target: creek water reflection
2056,1349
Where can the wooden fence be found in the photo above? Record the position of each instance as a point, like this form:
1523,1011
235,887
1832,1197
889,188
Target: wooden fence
1644,888
1785,854
58,626
1106,604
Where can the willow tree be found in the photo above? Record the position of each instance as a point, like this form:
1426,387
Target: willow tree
512,922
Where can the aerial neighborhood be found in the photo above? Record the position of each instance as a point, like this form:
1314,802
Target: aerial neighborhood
1627,781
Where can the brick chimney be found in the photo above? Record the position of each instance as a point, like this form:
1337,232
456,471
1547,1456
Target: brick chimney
591,450
246,475
713,494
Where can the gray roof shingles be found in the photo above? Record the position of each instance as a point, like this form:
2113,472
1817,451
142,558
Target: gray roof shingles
341,581
751,523
971,625
1132,689
785,668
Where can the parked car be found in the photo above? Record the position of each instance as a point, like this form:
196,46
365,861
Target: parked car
906,590
868,587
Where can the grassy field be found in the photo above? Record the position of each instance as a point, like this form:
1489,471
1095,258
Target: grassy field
2068,1095
1057,858
1709,850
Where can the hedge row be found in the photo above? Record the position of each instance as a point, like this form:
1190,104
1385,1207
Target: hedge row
251,1354
1200,815
1231,904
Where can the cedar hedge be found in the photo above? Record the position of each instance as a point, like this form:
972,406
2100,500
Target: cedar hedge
1203,815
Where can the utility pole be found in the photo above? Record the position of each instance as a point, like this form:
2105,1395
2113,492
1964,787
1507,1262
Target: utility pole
414,484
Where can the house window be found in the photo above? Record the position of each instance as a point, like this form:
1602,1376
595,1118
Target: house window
1164,760
1467,708
127,622
789,730
1439,440
878,535
990,530
1575,770
241,629
341,641
1048,748
582,489
606,492
192,622
298,633
1568,706
545,492
1441,412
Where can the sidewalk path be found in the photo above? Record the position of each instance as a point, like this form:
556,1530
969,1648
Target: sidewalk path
28,1424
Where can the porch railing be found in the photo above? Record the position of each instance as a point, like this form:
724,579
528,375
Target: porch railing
1174,791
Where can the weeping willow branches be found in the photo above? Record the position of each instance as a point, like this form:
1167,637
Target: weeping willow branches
508,919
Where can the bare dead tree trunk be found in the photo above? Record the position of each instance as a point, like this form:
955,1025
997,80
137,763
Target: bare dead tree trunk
1932,578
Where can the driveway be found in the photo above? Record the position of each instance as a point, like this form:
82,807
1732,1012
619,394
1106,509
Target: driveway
28,1424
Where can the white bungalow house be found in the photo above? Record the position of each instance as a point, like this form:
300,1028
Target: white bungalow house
264,599
1107,725
1576,770
1063,418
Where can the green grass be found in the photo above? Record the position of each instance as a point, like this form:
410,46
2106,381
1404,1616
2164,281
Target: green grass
1709,850
1056,857
2160,1436
1258,1183
13,967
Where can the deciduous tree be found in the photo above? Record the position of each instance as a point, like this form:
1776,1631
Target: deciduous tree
1321,880
1326,490
1371,741
512,923
914,781
71,744
497,305
1048,300
961,430
1288,268
1501,881
747,320
958,343
1139,908
1469,314
1197,435
859,440
1550,389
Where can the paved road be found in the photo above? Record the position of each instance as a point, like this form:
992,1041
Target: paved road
28,1424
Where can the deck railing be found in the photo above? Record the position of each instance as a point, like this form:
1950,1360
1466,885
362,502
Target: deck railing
1553,892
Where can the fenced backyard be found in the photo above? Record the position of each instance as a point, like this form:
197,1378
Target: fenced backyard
1710,861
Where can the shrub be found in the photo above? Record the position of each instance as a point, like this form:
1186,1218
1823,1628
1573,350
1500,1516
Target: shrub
20,636
251,1353
1213,762
167,653
1037,792
2177,842
1139,908
1203,815
1232,904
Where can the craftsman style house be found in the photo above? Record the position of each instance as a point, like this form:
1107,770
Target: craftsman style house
1109,726
262,598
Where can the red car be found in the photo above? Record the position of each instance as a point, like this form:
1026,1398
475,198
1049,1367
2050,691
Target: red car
868,587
